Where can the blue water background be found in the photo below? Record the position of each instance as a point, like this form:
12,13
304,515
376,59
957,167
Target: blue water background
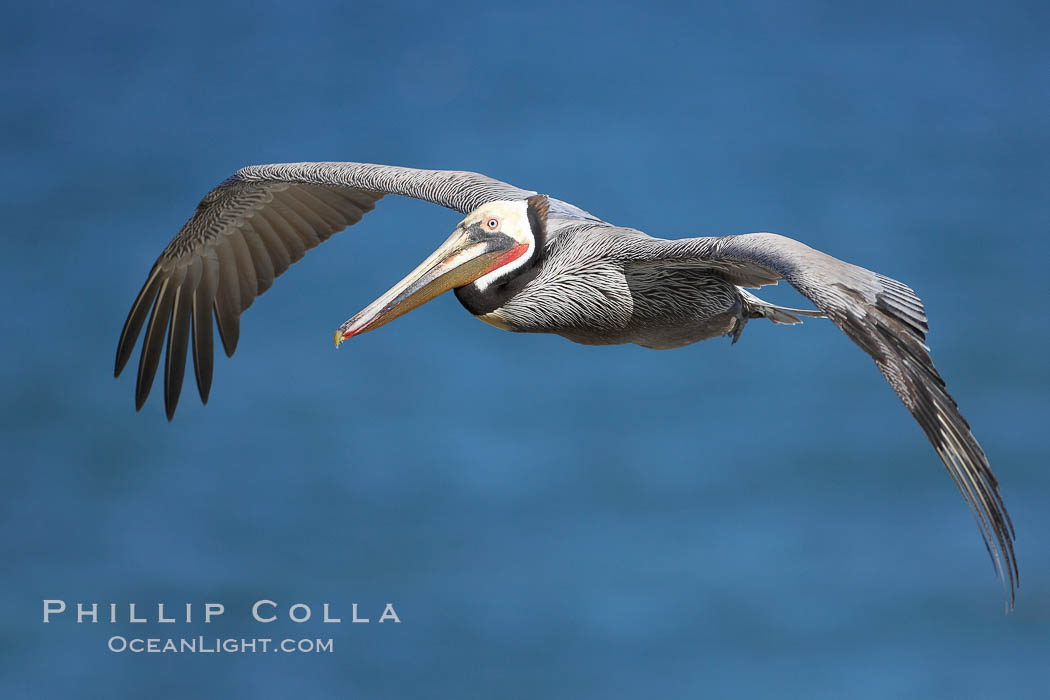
550,520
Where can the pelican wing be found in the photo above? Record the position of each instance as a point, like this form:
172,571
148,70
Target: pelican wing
887,320
246,232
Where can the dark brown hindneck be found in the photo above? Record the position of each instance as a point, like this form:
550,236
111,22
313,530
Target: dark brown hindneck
482,301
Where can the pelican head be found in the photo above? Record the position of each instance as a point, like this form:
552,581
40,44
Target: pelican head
490,246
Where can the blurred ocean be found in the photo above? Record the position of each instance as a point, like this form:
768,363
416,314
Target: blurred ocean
549,520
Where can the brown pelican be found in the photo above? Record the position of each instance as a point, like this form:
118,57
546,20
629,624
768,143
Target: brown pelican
529,263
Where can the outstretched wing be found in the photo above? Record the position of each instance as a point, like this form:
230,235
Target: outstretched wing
888,321
247,231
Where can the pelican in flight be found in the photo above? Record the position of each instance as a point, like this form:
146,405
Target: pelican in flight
530,263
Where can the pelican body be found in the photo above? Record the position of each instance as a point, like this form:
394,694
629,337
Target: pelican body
530,263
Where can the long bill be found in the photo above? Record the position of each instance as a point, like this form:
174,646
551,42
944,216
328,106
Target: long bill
460,260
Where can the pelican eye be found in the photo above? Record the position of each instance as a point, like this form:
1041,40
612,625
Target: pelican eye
492,224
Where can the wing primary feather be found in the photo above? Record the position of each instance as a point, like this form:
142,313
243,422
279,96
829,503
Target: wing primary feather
178,338
203,350
153,344
260,260
229,288
228,299
229,324
245,269
129,335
